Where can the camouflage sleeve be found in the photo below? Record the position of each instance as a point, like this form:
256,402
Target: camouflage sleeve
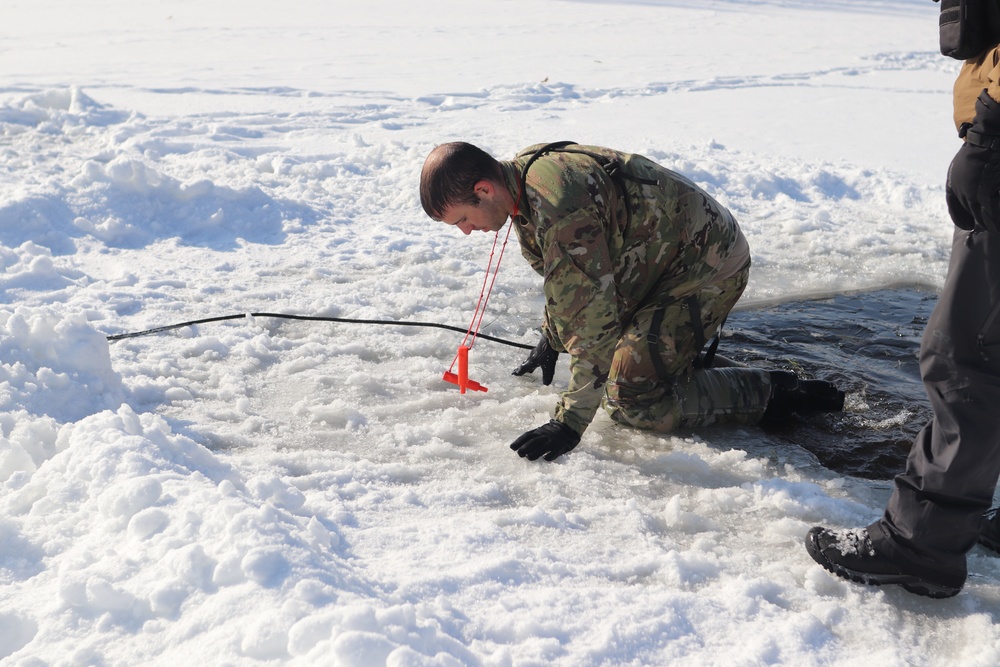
581,307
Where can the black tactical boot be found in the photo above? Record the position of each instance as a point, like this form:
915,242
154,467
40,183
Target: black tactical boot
790,394
850,554
989,537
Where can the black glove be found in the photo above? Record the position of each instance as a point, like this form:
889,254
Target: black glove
973,188
543,355
553,440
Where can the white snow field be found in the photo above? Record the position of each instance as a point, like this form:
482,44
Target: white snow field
271,492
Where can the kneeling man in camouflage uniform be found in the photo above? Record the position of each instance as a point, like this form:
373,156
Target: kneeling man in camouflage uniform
640,268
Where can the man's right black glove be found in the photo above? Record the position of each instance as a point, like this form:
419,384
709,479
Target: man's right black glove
543,355
973,188
550,441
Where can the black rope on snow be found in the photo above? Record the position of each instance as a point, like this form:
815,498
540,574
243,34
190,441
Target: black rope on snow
313,318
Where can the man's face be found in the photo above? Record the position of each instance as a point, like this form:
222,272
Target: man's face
489,216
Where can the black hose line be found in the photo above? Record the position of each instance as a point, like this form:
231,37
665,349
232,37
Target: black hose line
315,318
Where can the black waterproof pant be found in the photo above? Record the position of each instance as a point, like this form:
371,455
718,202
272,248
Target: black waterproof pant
934,515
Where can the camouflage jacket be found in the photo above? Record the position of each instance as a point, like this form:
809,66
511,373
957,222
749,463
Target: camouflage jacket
603,243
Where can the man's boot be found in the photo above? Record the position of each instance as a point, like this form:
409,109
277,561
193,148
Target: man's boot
989,537
790,394
851,555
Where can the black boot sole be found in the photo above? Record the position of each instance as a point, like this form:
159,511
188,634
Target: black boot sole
909,582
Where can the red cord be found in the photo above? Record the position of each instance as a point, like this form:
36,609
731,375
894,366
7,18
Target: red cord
484,293
462,356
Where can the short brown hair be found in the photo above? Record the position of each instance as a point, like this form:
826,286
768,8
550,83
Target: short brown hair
450,174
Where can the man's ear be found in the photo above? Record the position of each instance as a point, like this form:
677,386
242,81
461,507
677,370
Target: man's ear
484,187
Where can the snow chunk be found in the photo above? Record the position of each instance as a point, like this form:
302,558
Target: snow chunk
55,365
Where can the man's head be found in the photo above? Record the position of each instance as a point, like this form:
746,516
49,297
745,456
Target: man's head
462,185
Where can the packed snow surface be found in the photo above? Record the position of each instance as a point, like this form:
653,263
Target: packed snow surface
271,492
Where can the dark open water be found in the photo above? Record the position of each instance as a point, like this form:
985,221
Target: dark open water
867,343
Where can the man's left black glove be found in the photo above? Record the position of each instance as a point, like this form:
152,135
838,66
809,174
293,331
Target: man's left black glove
543,355
551,440
973,187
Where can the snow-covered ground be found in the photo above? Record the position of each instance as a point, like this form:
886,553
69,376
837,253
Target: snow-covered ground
267,492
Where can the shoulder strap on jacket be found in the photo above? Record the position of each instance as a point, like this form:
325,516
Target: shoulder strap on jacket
534,156
612,166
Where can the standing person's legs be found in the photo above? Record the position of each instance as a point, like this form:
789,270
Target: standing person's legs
933,517
666,393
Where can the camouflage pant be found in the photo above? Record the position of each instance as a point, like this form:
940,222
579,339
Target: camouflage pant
688,397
